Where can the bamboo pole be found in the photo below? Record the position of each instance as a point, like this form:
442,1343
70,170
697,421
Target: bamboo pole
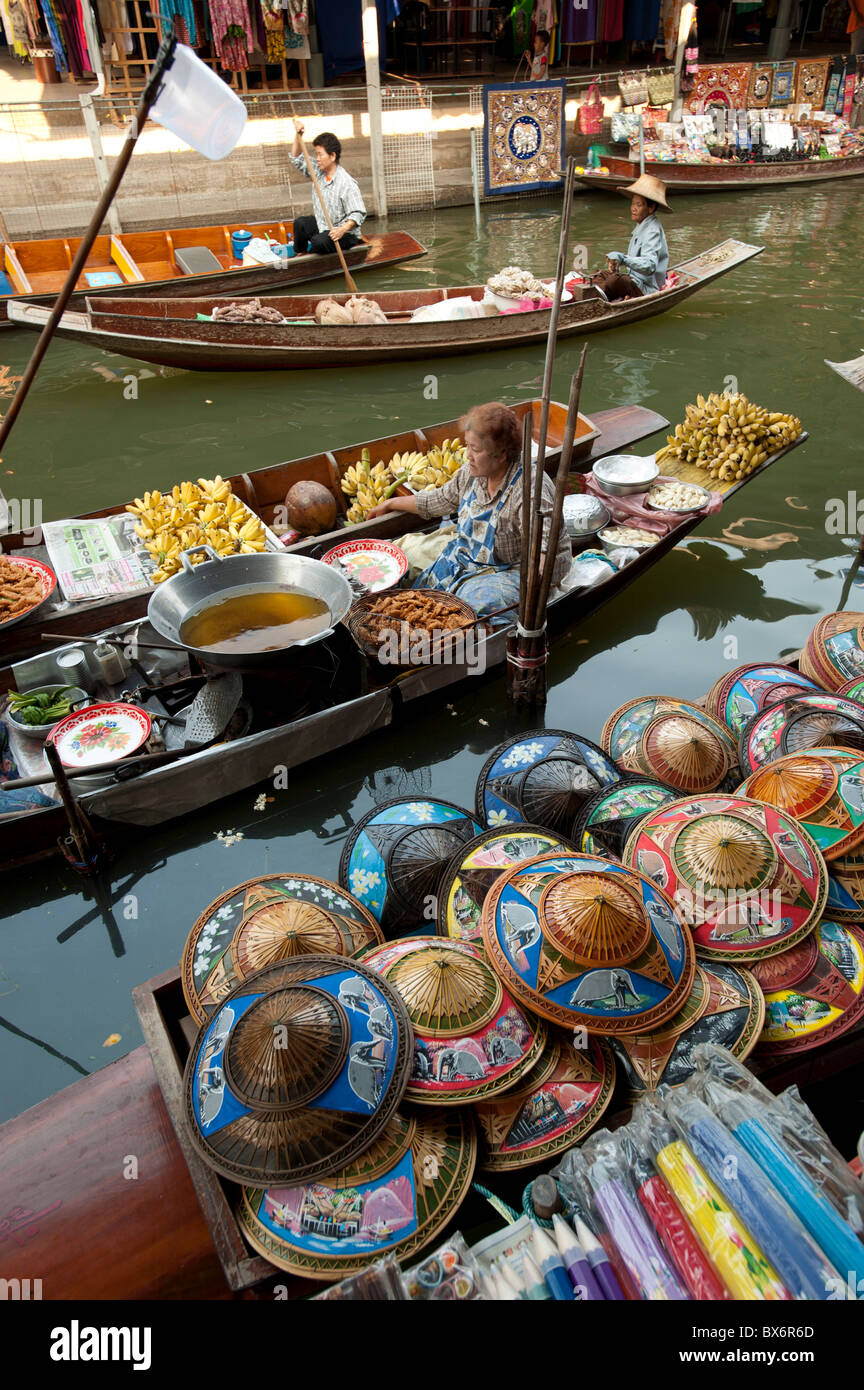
310,165
86,846
560,488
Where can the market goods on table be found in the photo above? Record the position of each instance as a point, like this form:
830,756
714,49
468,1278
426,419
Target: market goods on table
193,514
728,436
24,584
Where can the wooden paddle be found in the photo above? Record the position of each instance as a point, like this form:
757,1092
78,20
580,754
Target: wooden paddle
310,165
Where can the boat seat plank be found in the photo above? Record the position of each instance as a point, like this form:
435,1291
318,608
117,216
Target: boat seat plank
122,257
15,272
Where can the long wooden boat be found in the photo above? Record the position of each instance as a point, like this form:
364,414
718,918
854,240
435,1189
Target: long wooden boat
717,177
378,698
179,333
145,264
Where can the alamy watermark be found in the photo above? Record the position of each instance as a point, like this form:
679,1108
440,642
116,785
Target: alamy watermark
404,645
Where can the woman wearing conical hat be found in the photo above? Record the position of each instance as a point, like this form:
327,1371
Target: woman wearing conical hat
643,269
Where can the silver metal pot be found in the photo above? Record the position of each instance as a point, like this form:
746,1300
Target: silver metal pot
184,593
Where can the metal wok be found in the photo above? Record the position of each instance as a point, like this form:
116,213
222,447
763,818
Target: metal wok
184,593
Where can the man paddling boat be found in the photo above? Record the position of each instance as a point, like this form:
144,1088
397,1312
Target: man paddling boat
481,561
341,195
643,269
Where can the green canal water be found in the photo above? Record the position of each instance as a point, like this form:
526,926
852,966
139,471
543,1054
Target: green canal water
747,585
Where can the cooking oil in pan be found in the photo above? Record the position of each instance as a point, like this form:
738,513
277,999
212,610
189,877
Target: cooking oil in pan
255,620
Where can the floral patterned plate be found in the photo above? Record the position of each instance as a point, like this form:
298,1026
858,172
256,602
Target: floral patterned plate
377,564
100,734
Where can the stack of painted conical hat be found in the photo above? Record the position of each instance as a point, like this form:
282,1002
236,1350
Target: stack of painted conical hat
265,920
671,740
606,819
471,1039
834,651
853,689
823,788
816,719
813,995
394,1198
747,877
560,1100
541,778
744,692
474,868
846,888
725,1006
298,1070
582,941
395,857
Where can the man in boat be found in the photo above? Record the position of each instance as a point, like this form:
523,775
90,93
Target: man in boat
341,195
481,561
647,258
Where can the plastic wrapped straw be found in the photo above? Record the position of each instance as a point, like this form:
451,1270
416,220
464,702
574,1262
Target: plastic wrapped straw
797,1258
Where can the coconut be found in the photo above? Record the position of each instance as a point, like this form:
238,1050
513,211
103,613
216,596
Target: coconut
310,508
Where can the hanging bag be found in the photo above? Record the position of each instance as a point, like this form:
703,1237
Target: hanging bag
590,113
633,88
661,88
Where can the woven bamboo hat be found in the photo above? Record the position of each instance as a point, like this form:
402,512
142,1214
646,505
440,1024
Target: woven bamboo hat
648,187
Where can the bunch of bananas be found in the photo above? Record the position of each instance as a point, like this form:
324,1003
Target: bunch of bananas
370,485
728,436
202,513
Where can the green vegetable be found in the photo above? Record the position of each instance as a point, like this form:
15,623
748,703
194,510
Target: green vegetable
35,707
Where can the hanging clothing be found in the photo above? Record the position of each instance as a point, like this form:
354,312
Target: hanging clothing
298,17
232,33
16,28
182,9
53,27
612,26
274,25
579,22
642,21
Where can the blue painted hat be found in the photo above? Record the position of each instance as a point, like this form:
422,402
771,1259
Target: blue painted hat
396,855
298,1070
542,777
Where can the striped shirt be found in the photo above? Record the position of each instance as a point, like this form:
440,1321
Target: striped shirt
342,197
441,501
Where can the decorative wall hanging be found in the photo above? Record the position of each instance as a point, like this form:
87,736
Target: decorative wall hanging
395,857
834,652
606,819
823,789
725,1006
472,871
812,79
264,920
542,777
742,693
471,1040
298,1071
783,84
815,719
556,1105
747,877
720,85
761,80
582,941
671,740
804,1013
395,1197
523,136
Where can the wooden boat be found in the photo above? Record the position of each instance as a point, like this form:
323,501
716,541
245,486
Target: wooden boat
378,696
851,371
146,264
177,332
723,177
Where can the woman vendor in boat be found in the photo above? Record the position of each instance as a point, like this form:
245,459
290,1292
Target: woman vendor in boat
340,192
481,560
647,258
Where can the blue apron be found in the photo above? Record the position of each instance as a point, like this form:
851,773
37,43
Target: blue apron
471,553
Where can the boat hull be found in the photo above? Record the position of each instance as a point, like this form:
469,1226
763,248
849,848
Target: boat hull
170,332
723,178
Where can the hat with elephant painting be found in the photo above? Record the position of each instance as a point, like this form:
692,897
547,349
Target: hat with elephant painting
584,942
298,1071
471,1039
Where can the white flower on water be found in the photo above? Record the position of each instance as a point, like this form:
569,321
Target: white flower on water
423,810
523,753
364,880
260,803
229,837
499,817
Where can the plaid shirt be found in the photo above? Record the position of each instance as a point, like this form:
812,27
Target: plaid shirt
342,197
441,501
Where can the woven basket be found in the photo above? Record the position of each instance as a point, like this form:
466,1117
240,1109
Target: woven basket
661,88
633,88
358,611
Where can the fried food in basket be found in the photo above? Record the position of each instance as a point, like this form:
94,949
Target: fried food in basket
19,590
423,613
